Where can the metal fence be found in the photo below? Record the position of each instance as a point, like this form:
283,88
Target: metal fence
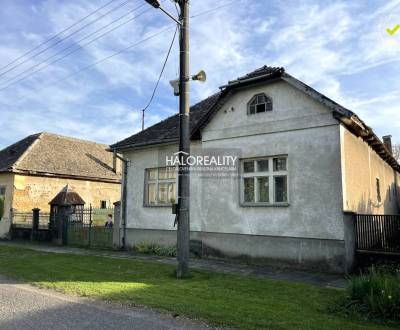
378,233
86,227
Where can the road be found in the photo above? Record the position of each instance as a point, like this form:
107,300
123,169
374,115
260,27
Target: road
25,307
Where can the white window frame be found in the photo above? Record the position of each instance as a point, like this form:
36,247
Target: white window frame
4,188
157,181
271,174
256,104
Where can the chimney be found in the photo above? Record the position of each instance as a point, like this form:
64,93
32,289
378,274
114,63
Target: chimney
387,141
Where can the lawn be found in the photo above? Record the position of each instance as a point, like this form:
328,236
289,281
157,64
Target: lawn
220,299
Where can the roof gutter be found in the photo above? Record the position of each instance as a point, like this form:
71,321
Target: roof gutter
358,128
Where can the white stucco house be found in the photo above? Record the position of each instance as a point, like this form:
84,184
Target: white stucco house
303,163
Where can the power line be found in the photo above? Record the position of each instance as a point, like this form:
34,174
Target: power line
214,9
80,46
56,35
103,59
159,77
108,57
64,38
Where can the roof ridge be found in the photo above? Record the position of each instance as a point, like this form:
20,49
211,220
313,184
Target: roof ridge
73,138
27,150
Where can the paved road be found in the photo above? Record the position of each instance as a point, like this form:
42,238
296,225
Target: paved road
25,307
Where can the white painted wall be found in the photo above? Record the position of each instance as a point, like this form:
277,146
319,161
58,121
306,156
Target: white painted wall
299,127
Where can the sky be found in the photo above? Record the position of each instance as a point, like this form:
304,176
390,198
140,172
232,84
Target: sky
340,48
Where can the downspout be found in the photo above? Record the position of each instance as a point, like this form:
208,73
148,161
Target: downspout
125,164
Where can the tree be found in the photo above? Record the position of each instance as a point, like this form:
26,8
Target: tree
396,152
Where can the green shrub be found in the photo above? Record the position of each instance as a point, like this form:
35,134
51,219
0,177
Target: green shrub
152,248
375,294
1,206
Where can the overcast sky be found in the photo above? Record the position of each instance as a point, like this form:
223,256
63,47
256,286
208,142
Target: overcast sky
341,48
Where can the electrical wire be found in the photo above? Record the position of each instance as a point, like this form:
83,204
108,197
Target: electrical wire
79,46
112,55
64,38
159,77
105,58
214,9
162,70
56,35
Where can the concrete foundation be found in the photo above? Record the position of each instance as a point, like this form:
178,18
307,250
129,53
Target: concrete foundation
327,255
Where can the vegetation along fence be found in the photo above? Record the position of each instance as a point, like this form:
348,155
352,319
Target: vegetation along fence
378,233
86,228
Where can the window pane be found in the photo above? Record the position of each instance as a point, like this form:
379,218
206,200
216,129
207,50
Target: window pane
152,173
279,164
163,193
248,190
171,193
268,106
263,189
280,189
162,173
171,171
262,165
151,193
260,108
260,98
252,109
248,167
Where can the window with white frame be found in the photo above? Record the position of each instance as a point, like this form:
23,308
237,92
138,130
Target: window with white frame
259,103
2,199
264,181
160,186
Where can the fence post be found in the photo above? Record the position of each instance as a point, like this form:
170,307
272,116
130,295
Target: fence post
90,226
11,228
35,223
349,220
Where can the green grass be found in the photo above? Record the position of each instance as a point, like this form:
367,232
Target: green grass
221,299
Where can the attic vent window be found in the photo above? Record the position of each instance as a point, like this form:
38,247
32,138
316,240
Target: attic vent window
259,103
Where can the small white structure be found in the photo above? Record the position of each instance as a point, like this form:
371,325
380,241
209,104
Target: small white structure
303,162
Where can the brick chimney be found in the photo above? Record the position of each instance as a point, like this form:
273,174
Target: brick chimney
387,141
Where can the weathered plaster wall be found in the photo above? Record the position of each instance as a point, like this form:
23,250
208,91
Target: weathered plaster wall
362,166
35,191
298,127
7,181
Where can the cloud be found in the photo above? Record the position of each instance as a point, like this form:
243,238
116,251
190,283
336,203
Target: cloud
337,47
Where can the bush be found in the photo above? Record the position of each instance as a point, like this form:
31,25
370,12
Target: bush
151,248
375,293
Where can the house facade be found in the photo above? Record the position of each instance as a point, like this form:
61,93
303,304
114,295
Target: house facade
35,169
303,163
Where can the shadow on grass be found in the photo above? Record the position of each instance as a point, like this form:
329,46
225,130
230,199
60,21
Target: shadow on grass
221,299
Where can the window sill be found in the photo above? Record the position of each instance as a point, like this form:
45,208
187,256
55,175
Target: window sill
264,205
157,205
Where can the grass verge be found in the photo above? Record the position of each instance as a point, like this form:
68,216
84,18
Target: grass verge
220,299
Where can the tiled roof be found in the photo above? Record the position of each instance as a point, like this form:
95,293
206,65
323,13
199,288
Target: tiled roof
168,129
202,113
51,154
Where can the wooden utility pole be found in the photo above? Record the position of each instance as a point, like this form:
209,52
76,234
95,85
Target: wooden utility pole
183,238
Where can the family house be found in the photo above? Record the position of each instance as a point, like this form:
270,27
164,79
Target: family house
303,163
35,169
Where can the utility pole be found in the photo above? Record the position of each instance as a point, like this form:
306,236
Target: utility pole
183,239
183,207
